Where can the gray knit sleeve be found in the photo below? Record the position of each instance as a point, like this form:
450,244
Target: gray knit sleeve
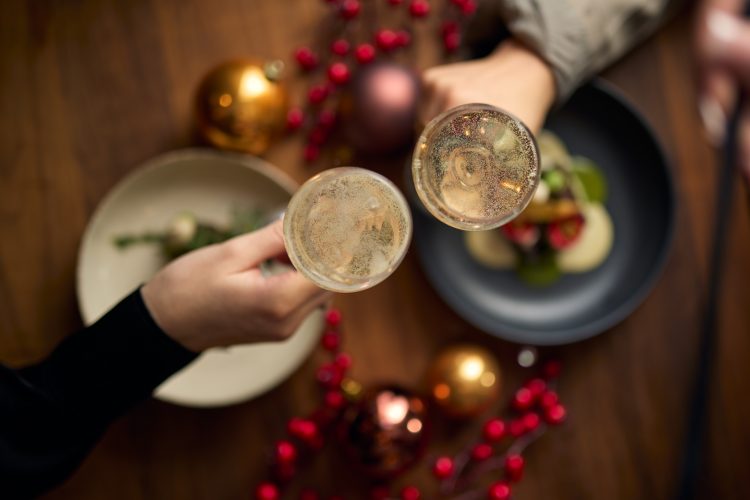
580,37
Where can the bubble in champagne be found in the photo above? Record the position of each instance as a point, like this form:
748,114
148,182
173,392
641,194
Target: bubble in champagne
347,229
475,167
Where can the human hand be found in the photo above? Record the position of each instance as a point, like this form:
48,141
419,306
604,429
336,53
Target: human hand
512,78
217,296
723,56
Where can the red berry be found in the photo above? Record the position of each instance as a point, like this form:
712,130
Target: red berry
379,493
403,38
419,8
548,399
555,414
516,428
386,39
333,317
468,7
499,491
350,9
364,53
523,399
267,491
531,421
537,386
318,136
452,41
294,118
552,369
308,494
330,341
286,452
334,399
443,467
494,430
448,27
481,452
514,467
303,429
312,152
340,47
317,94
343,361
326,118
329,375
410,493
306,58
338,73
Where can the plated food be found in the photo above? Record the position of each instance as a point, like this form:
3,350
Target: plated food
566,227
154,197
187,232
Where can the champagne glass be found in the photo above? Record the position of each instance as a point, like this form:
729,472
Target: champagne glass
475,167
347,229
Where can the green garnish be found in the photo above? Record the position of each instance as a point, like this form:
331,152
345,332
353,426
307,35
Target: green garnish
591,179
539,269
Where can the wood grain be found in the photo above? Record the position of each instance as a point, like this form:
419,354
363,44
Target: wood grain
91,88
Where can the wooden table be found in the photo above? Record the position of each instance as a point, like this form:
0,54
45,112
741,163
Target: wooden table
90,89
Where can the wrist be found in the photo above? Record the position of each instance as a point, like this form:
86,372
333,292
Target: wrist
529,67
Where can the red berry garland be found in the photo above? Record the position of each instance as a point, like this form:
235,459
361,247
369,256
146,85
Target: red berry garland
536,406
355,44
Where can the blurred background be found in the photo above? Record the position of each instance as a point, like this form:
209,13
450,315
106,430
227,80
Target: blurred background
92,89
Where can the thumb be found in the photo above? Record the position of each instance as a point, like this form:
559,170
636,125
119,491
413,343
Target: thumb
728,42
249,250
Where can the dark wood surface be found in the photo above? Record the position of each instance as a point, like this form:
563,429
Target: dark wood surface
89,89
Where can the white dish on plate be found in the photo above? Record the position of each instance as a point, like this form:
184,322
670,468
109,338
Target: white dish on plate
209,184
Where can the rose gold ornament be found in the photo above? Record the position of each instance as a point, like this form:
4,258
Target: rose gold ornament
386,431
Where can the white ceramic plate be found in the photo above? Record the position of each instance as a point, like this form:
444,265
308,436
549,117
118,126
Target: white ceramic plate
209,184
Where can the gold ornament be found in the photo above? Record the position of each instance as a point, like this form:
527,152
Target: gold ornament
241,105
464,380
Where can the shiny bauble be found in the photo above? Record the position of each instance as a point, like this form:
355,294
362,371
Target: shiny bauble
240,105
464,380
385,432
380,108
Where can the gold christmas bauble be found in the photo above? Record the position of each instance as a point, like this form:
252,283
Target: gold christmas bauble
464,380
241,105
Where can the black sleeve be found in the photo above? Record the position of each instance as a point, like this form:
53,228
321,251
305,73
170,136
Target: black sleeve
52,413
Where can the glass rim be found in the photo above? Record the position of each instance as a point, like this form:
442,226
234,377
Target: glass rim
438,210
329,175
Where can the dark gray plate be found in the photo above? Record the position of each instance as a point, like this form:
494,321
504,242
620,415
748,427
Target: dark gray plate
600,124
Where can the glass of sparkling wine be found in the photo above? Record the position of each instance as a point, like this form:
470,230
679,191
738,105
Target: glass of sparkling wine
475,167
347,229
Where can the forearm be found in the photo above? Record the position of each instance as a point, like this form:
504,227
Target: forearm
578,38
55,411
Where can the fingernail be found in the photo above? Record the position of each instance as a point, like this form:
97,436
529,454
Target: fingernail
723,28
714,119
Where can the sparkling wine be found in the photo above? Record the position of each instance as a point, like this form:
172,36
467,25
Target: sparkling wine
347,229
475,167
